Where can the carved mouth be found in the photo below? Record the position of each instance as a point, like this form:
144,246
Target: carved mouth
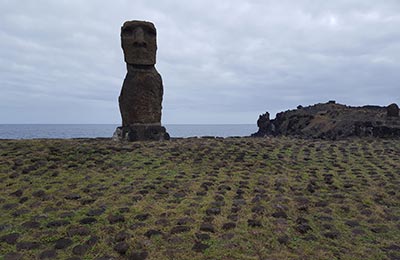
140,45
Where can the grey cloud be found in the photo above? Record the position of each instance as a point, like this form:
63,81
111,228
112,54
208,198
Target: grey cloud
221,61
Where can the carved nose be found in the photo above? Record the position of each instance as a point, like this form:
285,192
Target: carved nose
139,38
139,44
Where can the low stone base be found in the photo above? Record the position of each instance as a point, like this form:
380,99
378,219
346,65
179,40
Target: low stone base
141,133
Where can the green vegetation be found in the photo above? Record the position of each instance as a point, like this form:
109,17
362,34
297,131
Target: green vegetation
234,198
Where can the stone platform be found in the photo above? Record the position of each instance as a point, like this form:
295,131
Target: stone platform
141,132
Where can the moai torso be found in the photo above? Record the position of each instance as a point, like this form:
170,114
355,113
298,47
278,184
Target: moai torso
142,91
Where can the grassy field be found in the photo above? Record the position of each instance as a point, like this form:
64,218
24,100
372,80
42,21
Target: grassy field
234,198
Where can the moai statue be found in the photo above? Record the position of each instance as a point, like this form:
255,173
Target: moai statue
142,91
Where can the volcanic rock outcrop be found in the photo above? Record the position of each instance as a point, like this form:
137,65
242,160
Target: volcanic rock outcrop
393,110
140,101
332,121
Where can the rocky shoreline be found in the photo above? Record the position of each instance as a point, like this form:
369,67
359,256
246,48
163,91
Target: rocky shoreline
332,121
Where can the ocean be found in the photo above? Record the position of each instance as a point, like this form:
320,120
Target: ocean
33,131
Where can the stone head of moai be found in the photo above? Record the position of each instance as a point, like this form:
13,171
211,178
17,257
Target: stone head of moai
138,40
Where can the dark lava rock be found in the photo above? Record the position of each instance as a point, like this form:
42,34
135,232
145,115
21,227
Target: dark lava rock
303,228
153,232
138,255
23,200
57,223
63,243
391,247
4,227
180,229
67,214
92,241
39,194
309,237
13,256
26,245
238,202
121,247
327,226
352,223
13,175
48,254
17,193
184,221
203,236
332,121
205,185
279,214
123,210
257,198
264,125
78,231
49,209
87,201
89,220
162,222
20,212
162,191
143,192
136,226
30,224
325,218
358,232
229,225
219,198
201,193
233,217
392,110
254,223
73,196
180,195
366,212
311,188
116,219
142,217
199,247
207,227
332,234
284,239
121,236
347,185
227,236
258,209
213,211
328,178
380,229
95,212
137,198
175,240
10,206
80,250
216,204
240,192
10,239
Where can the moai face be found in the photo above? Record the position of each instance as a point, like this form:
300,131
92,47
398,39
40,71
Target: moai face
138,40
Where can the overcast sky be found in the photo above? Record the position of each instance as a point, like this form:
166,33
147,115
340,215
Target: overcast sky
221,61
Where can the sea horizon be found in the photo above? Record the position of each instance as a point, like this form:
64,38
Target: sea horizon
67,131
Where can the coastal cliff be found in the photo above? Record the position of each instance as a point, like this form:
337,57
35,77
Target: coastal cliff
332,121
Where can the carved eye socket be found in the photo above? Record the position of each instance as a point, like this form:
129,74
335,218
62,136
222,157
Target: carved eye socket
127,32
150,31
